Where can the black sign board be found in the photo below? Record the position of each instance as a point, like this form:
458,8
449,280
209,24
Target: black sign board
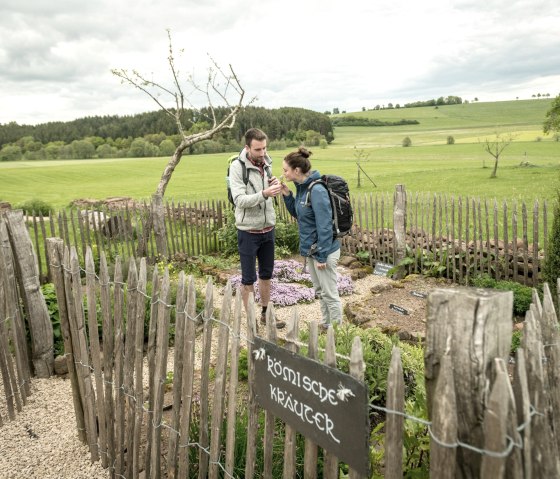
324,404
419,294
381,269
398,309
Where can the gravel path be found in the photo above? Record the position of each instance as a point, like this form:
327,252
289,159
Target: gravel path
42,441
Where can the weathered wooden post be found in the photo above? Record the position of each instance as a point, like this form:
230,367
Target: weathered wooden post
399,227
475,326
158,218
27,273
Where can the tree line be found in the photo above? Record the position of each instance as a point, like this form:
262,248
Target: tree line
155,134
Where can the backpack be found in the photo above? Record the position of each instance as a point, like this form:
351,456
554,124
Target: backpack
339,194
245,175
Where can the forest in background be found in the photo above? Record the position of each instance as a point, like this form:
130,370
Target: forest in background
155,134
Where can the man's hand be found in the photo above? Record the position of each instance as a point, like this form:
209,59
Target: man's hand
321,265
272,190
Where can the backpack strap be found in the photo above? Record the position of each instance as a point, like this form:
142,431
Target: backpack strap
331,199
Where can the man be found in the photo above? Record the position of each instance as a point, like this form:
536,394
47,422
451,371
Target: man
255,217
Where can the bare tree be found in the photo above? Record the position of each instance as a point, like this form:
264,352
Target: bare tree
495,147
220,87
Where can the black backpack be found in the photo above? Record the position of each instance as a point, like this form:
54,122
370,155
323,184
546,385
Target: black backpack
245,174
339,194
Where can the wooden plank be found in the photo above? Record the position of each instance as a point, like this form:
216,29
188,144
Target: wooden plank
495,427
523,403
269,419
289,470
178,364
151,357
233,385
357,370
496,256
162,343
82,356
507,254
27,275
514,241
444,423
525,244
551,340
7,372
462,251
128,372
220,383
91,287
108,354
13,310
203,440
395,421
138,369
543,462
252,408
118,295
471,323
535,252
330,470
188,379
311,449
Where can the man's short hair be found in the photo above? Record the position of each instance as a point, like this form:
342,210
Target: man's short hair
254,134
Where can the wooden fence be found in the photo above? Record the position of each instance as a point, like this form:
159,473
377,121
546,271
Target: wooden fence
22,308
122,409
482,424
455,237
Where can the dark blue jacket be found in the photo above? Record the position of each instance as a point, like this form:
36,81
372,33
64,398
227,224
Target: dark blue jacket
314,221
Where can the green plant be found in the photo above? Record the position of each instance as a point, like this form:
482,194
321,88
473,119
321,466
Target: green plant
406,141
516,340
49,294
362,256
522,295
35,206
551,269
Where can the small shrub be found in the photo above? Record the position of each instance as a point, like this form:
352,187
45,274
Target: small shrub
450,140
49,294
36,206
406,141
522,295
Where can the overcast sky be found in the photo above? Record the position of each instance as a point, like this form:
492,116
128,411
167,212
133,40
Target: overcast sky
56,56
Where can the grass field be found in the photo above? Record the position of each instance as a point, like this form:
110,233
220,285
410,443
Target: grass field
429,165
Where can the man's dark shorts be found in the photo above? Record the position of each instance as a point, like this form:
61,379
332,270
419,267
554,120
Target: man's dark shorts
254,246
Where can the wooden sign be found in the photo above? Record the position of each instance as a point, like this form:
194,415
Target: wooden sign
418,294
324,404
381,269
398,309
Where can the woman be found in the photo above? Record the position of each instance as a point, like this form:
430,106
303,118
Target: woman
313,211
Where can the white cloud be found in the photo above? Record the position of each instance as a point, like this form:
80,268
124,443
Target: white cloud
56,57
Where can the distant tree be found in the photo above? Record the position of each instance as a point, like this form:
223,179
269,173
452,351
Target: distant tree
104,151
363,108
475,98
221,87
494,147
82,149
327,112
406,141
166,147
335,111
389,105
552,121
10,153
450,140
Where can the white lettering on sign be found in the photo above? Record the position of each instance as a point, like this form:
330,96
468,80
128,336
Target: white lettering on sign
287,374
320,420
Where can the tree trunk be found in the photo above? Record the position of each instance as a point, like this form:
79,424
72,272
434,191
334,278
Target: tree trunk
495,170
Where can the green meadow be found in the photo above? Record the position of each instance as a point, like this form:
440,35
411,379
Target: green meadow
528,168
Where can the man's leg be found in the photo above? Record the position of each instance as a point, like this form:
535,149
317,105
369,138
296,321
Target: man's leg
247,255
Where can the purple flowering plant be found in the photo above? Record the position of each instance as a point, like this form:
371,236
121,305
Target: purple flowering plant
290,285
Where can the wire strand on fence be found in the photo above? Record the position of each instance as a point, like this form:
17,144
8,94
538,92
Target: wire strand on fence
511,443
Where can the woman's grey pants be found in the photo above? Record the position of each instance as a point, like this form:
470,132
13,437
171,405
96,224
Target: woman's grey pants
324,282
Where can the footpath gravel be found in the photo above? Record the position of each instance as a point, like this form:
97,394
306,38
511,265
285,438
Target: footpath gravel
42,441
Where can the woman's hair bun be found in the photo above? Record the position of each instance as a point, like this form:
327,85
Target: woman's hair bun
304,152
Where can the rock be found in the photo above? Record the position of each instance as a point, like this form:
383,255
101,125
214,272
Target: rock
359,313
60,365
346,261
380,287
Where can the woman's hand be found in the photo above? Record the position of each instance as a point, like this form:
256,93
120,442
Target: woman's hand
285,190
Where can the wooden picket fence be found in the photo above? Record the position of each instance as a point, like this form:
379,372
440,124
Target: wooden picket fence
119,392
456,237
481,422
